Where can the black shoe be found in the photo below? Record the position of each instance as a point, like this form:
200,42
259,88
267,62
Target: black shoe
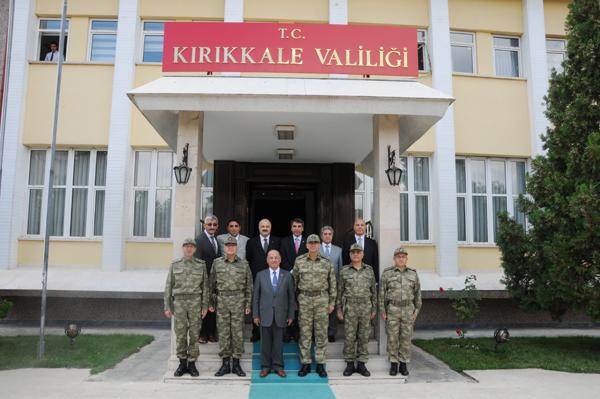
403,369
321,370
349,369
191,367
182,369
305,369
394,369
331,338
287,339
237,369
225,368
255,338
362,369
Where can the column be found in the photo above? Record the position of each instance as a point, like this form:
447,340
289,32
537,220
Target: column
13,177
444,170
338,15
234,12
386,201
536,70
119,165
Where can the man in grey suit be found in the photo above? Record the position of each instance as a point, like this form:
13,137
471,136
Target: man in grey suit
233,229
334,253
273,307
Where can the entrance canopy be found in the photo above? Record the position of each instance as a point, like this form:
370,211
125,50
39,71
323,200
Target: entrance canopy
241,113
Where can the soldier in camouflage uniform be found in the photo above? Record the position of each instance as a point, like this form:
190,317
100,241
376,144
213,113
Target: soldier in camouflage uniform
357,306
316,287
399,302
231,297
186,297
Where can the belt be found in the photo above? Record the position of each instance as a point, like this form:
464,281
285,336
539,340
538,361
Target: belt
313,293
182,296
229,292
403,302
358,299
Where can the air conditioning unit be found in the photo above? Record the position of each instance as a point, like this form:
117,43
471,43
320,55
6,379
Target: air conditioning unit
285,132
285,154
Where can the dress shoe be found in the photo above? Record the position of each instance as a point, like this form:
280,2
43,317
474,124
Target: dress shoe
212,338
321,370
362,369
305,369
394,369
182,369
255,338
202,340
191,366
331,338
403,369
281,373
225,368
264,373
287,339
349,370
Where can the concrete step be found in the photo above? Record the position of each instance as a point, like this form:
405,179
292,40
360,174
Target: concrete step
334,349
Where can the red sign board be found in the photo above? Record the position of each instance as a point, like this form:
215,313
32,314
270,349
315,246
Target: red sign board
289,48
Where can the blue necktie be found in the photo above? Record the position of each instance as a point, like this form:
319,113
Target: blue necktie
274,281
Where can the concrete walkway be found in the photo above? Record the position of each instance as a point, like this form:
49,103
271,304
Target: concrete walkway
514,332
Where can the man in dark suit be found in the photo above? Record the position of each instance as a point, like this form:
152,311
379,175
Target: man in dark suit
207,249
293,245
256,255
371,252
273,309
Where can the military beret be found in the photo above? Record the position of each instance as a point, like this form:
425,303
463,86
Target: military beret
313,238
189,241
230,240
355,247
399,251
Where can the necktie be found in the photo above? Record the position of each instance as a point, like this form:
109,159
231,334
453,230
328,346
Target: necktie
296,244
265,245
327,250
360,242
214,244
274,281
52,56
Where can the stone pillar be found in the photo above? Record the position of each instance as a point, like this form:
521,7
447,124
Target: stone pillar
233,12
386,201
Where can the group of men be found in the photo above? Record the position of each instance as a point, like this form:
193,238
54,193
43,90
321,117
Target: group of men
295,288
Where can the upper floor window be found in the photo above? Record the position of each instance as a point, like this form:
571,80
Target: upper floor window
103,40
463,52
153,37
415,199
363,195
556,52
507,56
48,40
423,58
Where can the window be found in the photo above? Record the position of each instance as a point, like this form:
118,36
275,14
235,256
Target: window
414,199
207,190
507,56
48,40
463,52
484,189
153,194
78,187
556,52
153,41
363,196
103,40
423,57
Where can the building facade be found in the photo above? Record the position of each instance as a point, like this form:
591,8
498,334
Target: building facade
119,216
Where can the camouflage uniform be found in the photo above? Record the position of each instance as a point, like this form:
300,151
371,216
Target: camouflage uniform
357,299
316,287
186,295
399,298
231,294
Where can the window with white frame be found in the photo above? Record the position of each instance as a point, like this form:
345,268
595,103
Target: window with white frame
484,189
153,37
556,53
48,40
207,190
415,199
462,45
507,56
423,58
79,183
363,196
152,194
103,40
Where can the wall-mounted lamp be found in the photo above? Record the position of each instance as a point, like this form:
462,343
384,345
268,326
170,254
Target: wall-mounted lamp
394,173
183,171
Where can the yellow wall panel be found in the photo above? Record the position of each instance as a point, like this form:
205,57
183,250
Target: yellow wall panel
555,15
84,110
142,132
78,39
491,116
184,9
501,16
420,258
287,10
392,12
140,255
478,258
62,253
426,144
98,8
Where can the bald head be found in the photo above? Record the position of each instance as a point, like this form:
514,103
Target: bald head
273,259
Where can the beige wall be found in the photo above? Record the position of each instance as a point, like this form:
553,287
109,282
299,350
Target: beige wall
391,12
555,15
498,16
182,9
420,257
97,8
148,254
479,258
62,253
287,10
142,133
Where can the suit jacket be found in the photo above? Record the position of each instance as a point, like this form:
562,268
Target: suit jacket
288,251
269,306
241,247
335,256
206,251
255,254
371,251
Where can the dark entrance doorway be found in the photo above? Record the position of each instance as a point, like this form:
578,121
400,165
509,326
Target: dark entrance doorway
321,194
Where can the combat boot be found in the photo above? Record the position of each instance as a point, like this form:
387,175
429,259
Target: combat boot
403,369
305,369
182,369
349,369
321,370
225,368
362,369
191,368
394,369
237,369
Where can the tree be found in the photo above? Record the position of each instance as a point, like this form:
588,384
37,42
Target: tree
555,264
